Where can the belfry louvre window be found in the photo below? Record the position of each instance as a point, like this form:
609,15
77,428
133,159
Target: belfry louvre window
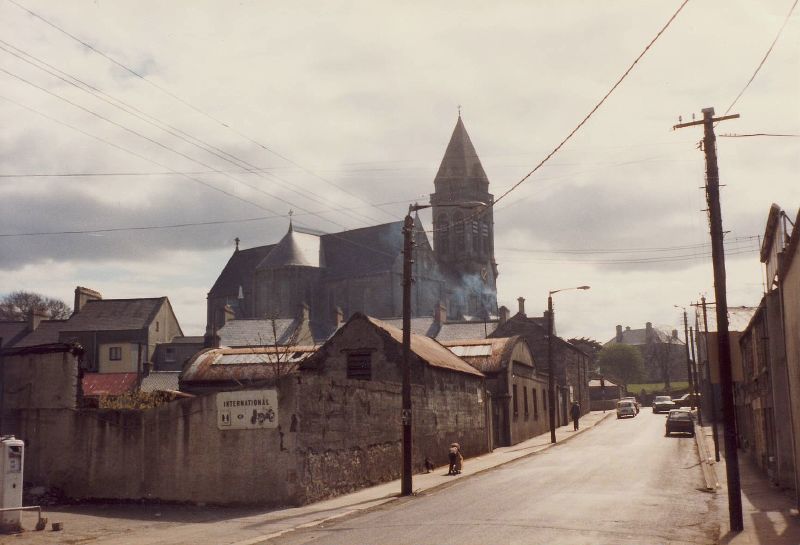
359,365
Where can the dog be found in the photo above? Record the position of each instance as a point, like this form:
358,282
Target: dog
428,464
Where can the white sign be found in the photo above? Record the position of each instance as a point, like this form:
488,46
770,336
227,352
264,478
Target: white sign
247,410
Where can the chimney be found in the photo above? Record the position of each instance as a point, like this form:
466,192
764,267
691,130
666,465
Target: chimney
83,296
227,314
440,313
674,333
648,331
338,317
521,302
305,311
627,328
35,316
505,314
619,333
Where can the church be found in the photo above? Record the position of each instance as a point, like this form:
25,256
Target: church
333,275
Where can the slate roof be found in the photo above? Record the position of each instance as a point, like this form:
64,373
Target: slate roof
46,333
256,332
426,349
295,249
99,384
238,271
160,381
738,318
460,160
115,314
638,336
191,339
361,252
448,331
12,331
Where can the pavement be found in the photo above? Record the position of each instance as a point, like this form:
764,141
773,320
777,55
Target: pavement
770,515
155,524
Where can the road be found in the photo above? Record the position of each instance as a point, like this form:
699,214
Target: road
620,483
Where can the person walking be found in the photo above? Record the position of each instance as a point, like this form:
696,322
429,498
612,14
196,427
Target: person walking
575,413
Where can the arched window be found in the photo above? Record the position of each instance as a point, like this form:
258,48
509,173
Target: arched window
476,233
485,238
458,230
442,238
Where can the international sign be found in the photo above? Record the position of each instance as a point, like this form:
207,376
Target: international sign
247,410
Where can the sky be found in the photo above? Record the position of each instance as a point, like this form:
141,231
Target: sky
118,116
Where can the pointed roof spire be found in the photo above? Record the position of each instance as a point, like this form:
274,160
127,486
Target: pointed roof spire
236,240
460,161
291,213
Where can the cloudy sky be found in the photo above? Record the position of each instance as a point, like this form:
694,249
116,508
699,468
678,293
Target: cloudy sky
149,114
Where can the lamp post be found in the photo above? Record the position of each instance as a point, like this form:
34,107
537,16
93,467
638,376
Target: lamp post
551,382
406,488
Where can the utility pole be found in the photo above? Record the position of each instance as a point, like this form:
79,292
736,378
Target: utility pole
406,488
551,379
697,388
720,290
711,393
688,359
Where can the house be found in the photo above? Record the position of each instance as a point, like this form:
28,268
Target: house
604,394
571,365
517,390
173,355
663,351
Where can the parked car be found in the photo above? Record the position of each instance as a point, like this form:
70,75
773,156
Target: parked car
626,408
663,404
679,421
687,400
633,399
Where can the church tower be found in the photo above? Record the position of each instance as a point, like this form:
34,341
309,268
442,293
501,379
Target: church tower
463,239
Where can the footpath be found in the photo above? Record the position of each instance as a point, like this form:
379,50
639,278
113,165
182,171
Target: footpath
153,524
769,513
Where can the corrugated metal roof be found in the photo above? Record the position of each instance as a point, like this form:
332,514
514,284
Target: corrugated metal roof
99,384
486,355
244,364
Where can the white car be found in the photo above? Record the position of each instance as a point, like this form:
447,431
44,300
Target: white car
626,408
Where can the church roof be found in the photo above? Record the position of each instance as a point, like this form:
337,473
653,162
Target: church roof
365,251
239,270
296,249
460,160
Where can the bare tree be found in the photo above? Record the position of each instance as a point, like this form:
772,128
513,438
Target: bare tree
279,351
18,304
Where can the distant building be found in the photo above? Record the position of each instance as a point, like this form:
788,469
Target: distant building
360,270
663,351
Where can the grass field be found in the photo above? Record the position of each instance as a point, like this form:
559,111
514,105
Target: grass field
657,386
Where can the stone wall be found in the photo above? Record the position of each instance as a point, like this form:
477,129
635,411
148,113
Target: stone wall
42,379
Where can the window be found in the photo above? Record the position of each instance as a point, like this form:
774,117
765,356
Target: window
485,238
544,401
525,396
535,404
514,399
359,365
157,325
115,353
458,228
169,354
476,241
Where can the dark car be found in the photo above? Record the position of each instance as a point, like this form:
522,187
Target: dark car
679,421
687,400
663,404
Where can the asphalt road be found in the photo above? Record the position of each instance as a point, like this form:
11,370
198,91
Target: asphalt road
620,483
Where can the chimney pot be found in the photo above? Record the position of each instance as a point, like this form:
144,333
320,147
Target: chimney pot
521,301
505,314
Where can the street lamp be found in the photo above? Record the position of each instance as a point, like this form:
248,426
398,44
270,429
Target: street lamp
408,260
551,382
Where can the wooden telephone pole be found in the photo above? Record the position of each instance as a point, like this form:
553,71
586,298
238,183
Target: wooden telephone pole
718,258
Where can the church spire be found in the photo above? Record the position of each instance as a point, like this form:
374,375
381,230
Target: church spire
460,162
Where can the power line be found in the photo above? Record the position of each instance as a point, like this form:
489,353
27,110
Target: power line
143,116
734,135
632,261
168,226
160,144
763,60
582,122
632,250
188,104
